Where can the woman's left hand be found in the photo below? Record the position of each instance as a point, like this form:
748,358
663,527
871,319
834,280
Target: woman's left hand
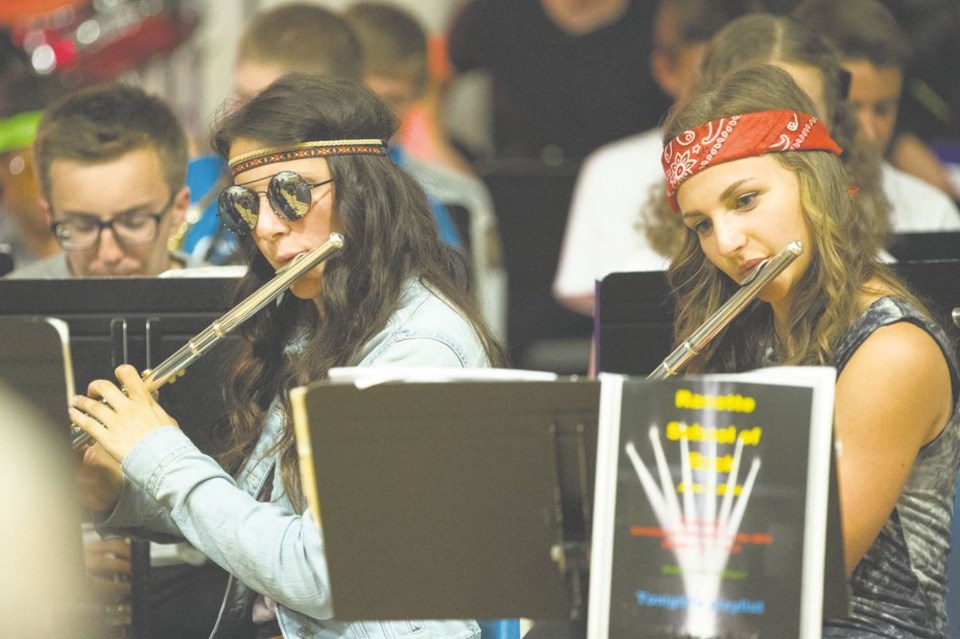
122,419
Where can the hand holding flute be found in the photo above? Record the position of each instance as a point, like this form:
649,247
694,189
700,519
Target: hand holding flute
174,365
122,419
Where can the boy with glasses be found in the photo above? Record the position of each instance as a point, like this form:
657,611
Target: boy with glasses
111,164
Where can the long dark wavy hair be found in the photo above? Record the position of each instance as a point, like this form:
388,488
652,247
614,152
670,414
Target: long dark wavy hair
390,238
761,38
843,257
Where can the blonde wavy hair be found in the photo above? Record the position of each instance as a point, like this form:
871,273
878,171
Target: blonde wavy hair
843,256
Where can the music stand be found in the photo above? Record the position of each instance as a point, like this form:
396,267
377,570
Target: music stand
139,321
924,247
486,515
633,329
35,362
937,282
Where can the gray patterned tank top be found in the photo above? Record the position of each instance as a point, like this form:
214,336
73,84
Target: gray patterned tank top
898,588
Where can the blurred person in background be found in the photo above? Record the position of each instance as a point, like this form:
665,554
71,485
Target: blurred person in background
293,37
24,227
615,180
930,107
568,75
876,51
111,163
395,67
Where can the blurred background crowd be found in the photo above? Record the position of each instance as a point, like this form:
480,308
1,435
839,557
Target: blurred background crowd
516,94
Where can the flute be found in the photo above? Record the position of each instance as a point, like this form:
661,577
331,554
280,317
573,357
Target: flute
765,272
175,365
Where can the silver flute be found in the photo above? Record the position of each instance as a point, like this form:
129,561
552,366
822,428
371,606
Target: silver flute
175,365
763,274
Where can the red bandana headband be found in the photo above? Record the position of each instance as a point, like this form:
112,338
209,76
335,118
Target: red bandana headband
740,136
321,148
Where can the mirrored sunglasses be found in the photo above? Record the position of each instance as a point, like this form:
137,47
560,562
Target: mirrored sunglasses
288,193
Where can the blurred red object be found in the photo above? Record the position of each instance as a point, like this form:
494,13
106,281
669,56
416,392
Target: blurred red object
156,35
13,10
82,44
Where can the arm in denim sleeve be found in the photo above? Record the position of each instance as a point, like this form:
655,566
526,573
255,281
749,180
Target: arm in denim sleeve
275,552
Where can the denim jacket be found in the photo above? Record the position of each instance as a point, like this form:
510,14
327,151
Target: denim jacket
172,490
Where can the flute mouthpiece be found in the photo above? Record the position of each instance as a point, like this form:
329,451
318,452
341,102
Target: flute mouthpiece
754,273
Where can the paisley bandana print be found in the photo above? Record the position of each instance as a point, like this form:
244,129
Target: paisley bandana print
740,136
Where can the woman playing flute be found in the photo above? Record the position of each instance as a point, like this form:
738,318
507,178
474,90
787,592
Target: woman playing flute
308,158
748,171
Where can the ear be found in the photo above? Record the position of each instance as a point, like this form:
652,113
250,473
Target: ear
178,212
665,73
44,205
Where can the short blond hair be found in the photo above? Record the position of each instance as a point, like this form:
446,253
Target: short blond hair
393,42
303,38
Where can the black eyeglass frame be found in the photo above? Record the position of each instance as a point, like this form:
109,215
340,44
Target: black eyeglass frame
239,225
103,224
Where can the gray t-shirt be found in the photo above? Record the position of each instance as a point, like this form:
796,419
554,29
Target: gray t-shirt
55,267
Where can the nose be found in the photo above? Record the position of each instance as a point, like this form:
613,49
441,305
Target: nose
108,250
269,222
868,123
729,235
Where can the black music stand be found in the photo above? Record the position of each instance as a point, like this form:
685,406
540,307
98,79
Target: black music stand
454,500
924,247
633,331
937,282
140,321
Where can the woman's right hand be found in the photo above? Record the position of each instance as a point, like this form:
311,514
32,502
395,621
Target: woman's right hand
100,479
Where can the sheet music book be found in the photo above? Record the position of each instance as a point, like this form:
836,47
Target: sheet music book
448,499
711,507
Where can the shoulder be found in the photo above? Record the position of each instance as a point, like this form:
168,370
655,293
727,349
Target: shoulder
904,342
624,169
448,185
883,312
53,267
901,369
916,205
426,330
625,154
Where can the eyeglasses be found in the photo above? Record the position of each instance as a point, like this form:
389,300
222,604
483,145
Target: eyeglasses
130,229
288,193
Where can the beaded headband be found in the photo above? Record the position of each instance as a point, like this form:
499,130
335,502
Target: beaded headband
321,148
740,136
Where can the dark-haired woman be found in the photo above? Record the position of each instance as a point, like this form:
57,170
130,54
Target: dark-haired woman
308,158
